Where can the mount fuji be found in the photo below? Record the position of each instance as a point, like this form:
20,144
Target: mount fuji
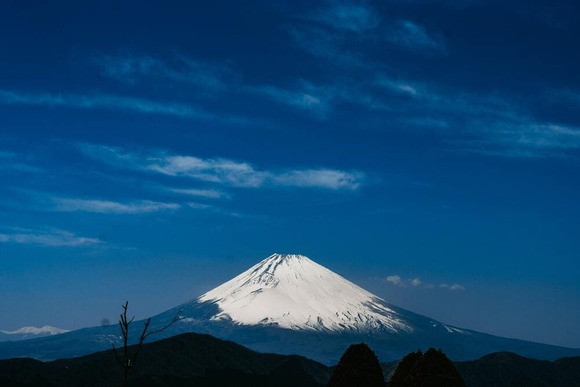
289,304
293,292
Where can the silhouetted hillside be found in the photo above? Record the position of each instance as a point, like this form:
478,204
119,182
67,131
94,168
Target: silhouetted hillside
188,359
204,361
503,369
508,369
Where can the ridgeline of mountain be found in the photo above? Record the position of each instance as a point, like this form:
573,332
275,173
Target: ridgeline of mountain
183,360
507,369
204,361
289,304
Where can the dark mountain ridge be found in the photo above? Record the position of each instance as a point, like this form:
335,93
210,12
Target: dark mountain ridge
202,360
180,360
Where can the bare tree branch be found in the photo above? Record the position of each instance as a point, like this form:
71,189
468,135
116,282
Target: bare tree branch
128,361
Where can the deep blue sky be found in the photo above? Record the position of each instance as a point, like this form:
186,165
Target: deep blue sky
427,150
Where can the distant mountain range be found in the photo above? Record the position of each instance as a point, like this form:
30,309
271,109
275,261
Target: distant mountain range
289,304
204,361
26,333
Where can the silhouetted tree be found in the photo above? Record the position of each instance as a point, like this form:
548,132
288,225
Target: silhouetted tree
405,369
127,360
430,369
359,367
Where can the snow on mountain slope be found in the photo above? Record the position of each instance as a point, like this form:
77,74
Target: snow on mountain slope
45,330
291,291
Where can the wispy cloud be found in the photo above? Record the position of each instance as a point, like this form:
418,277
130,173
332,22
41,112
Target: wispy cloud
302,99
12,162
418,283
53,238
522,139
415,282
102,101
453,287
492,125
326,45
344,26
414,37
323,99
199,206
121,103
205,193
347,16
110,207
211,77
224,171
397,86
395,280
320,178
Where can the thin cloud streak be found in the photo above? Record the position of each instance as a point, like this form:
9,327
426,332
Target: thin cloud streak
320,178
525,139
304,100
416,38
181,69
120,103
111,207
221,171
54,238
416,282
101,101
11,162
205,193
453,287
397,87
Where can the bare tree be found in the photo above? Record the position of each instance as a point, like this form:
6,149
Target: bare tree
125,359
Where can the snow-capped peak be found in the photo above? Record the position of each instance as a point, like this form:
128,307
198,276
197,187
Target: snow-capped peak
292,291
45,330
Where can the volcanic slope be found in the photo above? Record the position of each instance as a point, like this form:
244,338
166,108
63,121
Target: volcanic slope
294,292
289,304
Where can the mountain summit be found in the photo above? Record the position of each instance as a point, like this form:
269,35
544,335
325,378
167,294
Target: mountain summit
291,291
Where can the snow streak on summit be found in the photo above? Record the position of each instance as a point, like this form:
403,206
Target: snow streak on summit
293,292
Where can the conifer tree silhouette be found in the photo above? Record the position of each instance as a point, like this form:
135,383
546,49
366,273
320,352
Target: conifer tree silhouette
359,367
430,369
